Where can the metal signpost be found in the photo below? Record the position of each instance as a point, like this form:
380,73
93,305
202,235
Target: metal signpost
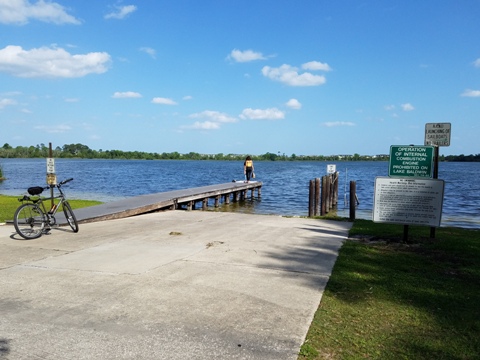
437,134
51,177
410,196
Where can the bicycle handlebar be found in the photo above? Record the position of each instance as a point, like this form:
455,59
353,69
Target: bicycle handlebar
65,181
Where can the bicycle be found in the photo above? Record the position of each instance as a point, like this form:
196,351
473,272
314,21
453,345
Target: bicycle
32,220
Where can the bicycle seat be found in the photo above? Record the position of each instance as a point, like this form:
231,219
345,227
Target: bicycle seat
35,190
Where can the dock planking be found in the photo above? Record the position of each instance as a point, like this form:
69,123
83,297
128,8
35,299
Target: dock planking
170,200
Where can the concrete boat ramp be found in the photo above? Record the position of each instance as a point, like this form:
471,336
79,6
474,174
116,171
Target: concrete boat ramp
166,285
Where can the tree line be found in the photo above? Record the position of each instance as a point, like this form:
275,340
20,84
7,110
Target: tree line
81,151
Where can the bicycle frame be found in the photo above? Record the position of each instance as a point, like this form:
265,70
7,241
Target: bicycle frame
40,203
32,219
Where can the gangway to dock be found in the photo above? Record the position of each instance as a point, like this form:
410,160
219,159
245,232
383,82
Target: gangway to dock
170,200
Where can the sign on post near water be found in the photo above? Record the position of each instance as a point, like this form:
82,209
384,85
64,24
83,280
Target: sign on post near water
411,161
408,201
438,134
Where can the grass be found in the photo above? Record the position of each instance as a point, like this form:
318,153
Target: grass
8,205
391,300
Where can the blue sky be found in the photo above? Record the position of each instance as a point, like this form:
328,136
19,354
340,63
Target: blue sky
240,76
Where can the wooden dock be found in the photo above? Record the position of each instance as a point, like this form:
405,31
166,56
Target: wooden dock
170,200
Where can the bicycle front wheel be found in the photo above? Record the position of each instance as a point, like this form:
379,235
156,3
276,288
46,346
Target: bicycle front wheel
70,216
29,221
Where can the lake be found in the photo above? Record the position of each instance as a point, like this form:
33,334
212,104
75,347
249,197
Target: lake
284,191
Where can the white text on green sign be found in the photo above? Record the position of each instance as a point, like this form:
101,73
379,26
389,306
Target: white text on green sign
411,161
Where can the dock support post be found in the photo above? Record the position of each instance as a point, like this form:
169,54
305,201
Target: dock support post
217,200
353,194
204,204
316,210
323,210
311,198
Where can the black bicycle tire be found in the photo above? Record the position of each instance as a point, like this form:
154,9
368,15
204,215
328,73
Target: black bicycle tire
70,216
20,226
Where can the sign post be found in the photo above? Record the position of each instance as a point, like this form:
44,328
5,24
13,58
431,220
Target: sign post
331,168
437,134
51,177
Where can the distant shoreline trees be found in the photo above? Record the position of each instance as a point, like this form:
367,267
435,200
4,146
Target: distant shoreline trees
80,151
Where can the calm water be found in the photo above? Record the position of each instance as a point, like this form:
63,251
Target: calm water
284,191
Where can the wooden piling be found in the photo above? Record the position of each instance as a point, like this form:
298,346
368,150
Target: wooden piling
311,198
317,197
353,195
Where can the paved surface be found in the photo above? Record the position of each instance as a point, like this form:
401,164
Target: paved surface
170,285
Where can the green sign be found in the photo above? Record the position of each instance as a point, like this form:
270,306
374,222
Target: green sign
411,161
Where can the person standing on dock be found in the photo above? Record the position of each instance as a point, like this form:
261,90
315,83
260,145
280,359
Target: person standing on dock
248,168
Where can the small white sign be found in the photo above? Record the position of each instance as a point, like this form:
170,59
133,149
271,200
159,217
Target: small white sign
331,169
438,134
50,166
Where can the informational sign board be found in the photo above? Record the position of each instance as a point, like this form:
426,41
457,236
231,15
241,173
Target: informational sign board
408,201
411,161
331,169
50,166
438,134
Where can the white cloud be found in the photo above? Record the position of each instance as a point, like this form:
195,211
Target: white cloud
206,125
21,11
6,102
389,107
245,56
163,101
289,75
214,116
316,65
471,93
338,123
262,114
149,51
51,62
476,63
121,12
72,100
293,104
126,95
187,97
407,107
213,120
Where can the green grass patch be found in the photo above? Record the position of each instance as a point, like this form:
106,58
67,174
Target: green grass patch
392,300
8,205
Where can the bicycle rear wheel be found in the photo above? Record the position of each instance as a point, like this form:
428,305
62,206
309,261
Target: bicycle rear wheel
70,216
29,221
